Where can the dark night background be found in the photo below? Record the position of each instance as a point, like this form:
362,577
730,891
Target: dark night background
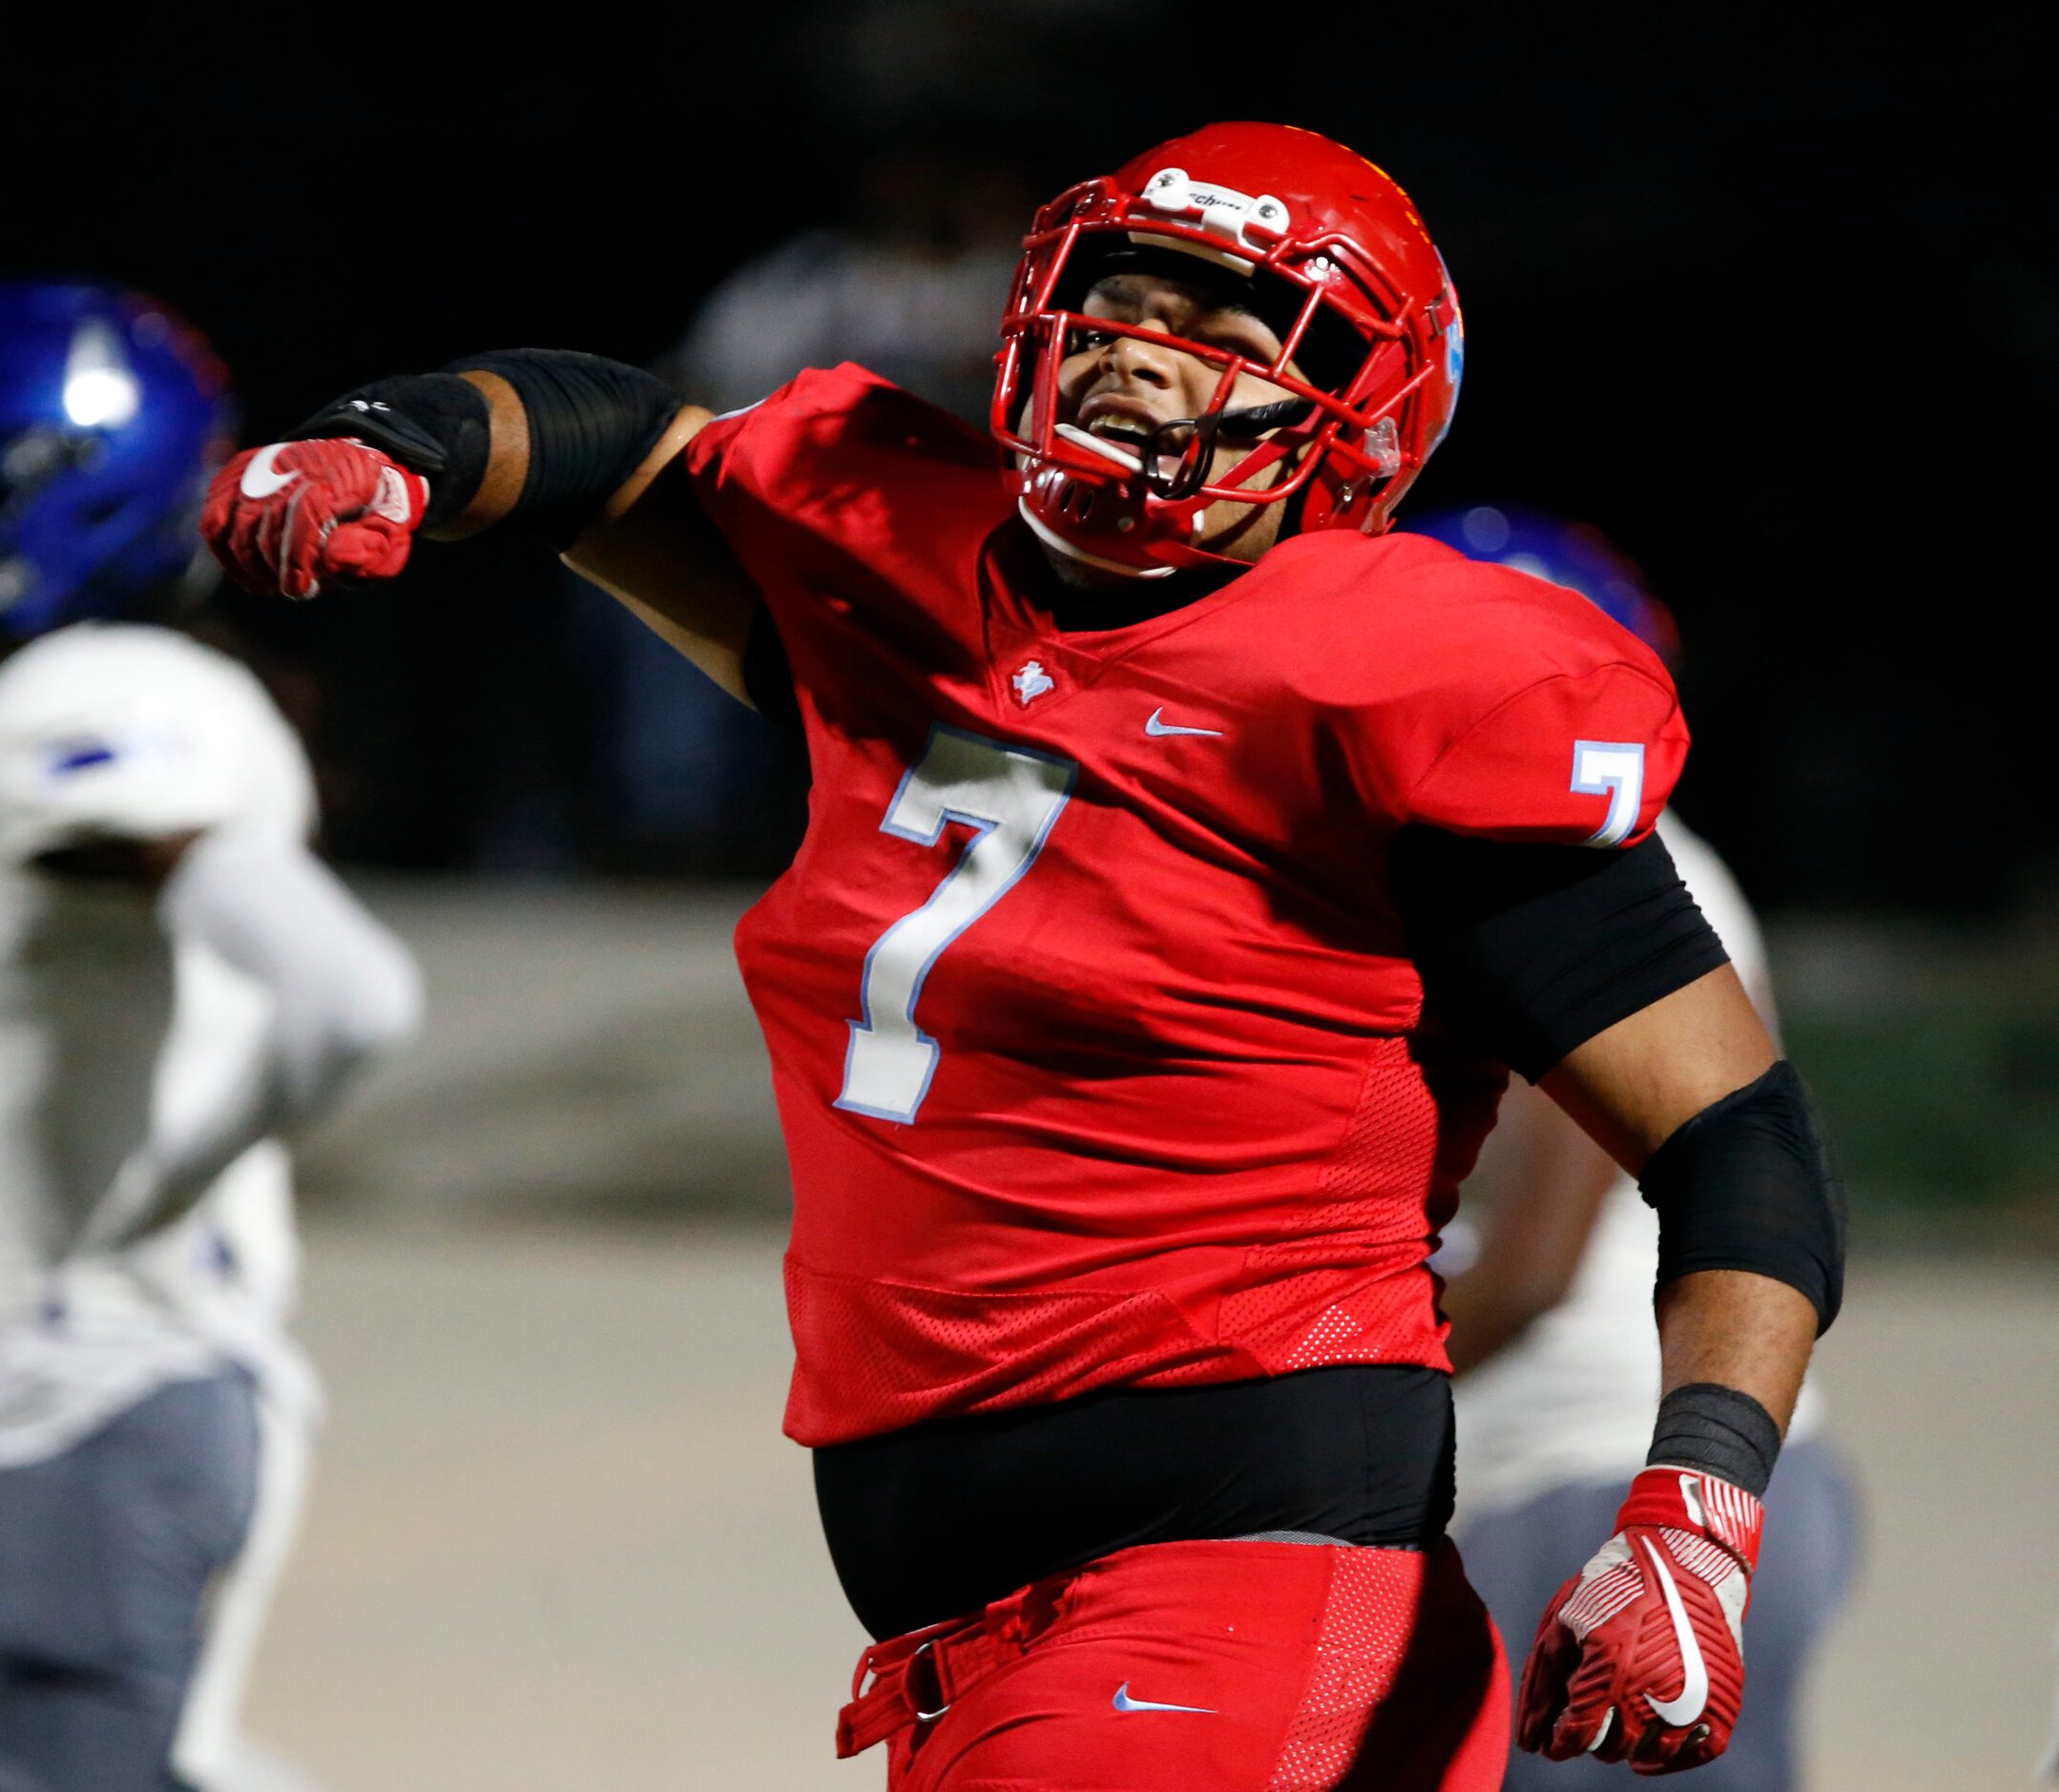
1773,301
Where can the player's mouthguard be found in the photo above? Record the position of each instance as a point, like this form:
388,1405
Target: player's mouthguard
1123,457
1184,448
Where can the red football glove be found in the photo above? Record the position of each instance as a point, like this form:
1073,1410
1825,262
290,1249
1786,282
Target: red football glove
283,518
1640,1657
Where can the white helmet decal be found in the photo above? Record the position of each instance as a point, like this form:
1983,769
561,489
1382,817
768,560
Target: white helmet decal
1226,213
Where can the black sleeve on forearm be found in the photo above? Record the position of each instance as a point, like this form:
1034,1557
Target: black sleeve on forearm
590,424
1536,949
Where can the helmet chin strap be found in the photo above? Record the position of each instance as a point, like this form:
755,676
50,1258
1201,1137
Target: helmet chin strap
1189,443
1255,419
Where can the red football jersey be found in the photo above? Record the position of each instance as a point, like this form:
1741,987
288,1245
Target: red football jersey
1098,1050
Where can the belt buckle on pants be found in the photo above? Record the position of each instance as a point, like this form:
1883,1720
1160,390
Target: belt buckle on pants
915,1679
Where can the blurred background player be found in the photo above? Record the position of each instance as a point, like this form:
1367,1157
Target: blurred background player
181,982
903,282
1551,1319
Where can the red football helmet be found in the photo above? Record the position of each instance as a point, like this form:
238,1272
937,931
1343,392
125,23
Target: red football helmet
1273,204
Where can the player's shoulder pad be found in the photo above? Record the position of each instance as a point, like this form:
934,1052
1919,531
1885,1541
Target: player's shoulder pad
848,404
1485,700
1461,608
795,457
1399,617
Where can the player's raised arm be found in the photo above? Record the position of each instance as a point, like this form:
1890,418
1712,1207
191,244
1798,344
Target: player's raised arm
579,450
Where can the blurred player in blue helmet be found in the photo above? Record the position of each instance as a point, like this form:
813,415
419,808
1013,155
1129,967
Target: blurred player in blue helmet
1551,1317
181,982
113,412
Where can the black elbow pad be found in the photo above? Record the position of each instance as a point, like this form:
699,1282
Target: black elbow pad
1749,1183
590,424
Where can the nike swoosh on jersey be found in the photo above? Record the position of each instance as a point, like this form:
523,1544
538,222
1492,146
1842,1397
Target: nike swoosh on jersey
1124,1702
258,480
1694,1681
1154,726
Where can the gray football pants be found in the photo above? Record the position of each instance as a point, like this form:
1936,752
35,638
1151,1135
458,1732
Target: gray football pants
1517,1559
107,1553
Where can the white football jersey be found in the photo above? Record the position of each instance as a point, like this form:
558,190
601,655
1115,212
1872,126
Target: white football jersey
111,1027
1572,1400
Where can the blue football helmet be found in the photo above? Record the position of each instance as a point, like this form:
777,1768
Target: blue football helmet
113,412
1576,555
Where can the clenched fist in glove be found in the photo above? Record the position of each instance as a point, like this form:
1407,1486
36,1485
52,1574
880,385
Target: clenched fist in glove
285,518
1640,1657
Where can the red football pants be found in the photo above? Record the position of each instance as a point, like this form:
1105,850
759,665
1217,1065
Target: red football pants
1202,1667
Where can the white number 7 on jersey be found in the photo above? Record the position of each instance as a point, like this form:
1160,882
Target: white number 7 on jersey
1615,769
1011,796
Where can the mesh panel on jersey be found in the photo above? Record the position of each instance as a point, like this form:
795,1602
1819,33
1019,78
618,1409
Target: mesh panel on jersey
872,1356
1382,1177
1304,1308
1346,1284
1380,1313
1368,1621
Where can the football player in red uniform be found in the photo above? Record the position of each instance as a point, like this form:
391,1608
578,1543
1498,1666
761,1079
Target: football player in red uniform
1189,860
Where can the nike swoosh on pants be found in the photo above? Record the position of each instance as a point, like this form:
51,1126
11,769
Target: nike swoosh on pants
1124,1702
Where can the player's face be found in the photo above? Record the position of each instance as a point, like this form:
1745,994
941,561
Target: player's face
1122,388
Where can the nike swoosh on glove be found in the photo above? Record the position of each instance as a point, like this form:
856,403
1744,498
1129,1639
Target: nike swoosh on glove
284,517
1640,1656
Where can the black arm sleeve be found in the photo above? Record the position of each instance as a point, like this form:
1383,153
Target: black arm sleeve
1538,948
590,424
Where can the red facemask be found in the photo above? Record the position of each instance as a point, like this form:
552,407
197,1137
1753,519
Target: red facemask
1307,221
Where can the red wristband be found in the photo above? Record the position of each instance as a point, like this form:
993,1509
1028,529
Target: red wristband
1688,1499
